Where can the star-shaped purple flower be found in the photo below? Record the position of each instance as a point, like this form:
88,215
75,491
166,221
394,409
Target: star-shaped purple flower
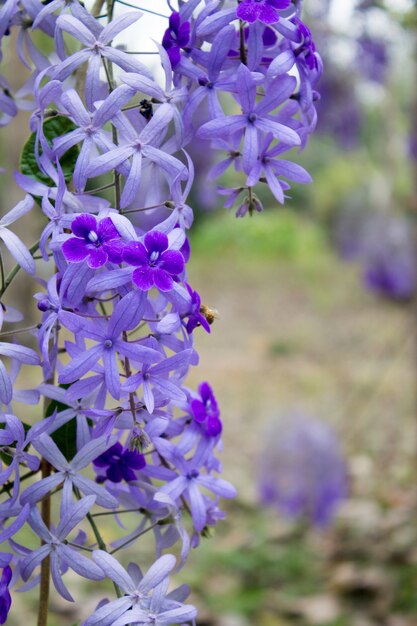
177,36
98,242
265,11
156,265
120,464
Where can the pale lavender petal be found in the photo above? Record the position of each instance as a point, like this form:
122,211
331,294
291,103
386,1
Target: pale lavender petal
222,44
197,505
285,134
20,353
18,250
247,88
222,127
274,184
38,490
92,80
80,564
113,570
76,28
250,148
33,559
6,389
67,67
157,572
108,613
179,615
133,180
109,161
118,24
74,516
154,130
217,485
57,578
139,353
80,365
89,487
50,451
127,313
18,211
111,373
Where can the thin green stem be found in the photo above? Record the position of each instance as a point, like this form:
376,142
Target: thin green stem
102,514
11,275
18,330
133,6
100,541
145,208
142,532
2,271
8,486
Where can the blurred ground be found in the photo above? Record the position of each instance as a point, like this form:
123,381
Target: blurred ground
297,329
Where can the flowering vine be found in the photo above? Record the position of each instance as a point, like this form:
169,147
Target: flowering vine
117,315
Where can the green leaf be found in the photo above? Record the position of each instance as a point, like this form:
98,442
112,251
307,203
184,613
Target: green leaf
52,127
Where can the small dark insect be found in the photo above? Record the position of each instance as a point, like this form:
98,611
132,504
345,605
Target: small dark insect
146,109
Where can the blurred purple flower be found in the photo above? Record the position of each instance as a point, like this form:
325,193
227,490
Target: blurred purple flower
388,253
302,470
373,58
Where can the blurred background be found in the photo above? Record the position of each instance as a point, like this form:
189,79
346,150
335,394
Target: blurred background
313,353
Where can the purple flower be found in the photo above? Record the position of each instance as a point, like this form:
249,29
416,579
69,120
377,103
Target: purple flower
55,546
141,144
206,411
156,265
176,36
126,315
5,597
135,586
120,464
69,473
302,470
255,116
265,11
96,40
98,242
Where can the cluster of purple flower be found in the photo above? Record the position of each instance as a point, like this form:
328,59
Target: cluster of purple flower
115,340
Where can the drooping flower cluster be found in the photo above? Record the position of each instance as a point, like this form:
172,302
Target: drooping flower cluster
117,314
